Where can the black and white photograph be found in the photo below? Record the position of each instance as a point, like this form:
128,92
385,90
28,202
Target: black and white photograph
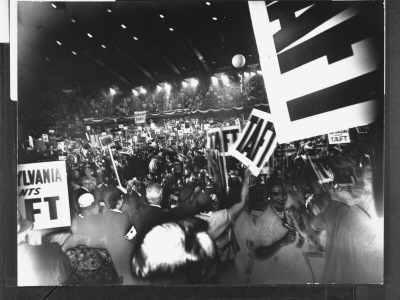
222,143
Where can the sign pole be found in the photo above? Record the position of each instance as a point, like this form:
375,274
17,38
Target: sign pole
113,162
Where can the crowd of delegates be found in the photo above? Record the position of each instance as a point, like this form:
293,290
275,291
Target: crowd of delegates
165,219
73,105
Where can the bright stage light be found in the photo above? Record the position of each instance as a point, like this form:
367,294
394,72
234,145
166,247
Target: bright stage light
214,80
184,84
135,92
225,79
246,74
259,72
112,92
142,90
194,82
167,87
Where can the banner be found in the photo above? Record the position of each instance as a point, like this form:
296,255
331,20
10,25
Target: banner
339,137
43,194
257,141
140,117
222,139
322,64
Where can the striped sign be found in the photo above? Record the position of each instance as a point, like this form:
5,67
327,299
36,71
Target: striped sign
322,64
256,143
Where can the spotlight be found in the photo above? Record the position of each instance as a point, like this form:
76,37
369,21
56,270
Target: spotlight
112,92
184,84
58,42
123,26
54,6
259,72
194,82
225,79
109,10
162,16
159,88
135,38
142,90
171,29
135,92
208,3
214,80
73,20
215,18
73,52
167,87
246,74
103,46
89,35
252,74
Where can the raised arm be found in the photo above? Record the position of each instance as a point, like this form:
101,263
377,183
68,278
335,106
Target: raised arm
236,208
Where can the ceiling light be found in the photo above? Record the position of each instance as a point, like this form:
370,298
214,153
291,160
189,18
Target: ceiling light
109,10
162,16
142,90
259,72
215,18
159,88
73,20
171,29
214,80
112,92
58,42
184,84
167,87
123,26
89,35
194,82
225,79
52,4
135,38
73,52
135,92
103,46
208,3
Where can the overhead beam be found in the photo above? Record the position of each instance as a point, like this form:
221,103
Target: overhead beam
196,51
135,64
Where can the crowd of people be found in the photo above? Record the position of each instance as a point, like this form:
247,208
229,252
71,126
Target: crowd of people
156,214
73,105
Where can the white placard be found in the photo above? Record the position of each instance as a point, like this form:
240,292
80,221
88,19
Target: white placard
257,141
43,194
339,137
321,64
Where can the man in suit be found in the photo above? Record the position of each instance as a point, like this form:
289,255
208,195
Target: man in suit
105,231
148,217
88,185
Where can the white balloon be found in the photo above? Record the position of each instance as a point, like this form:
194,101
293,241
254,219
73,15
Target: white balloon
238,61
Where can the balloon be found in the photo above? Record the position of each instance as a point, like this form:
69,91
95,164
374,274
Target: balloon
238,61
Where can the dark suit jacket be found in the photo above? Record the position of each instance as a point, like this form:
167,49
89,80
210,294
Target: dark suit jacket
105,231
145,219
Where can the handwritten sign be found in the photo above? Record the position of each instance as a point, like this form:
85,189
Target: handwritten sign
222,139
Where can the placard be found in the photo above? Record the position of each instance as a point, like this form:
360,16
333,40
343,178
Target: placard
106,140
30,141
140,117
257,141
45,138
322,64
222,139
43,194
339,137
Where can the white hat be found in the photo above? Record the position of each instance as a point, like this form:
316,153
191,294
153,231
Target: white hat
86,200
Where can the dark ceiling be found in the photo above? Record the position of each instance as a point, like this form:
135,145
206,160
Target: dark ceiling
205,37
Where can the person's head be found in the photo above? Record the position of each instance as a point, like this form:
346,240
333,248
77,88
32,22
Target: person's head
203,202
277,195
317,204
87,205
154,193
176,252
89,183
116,202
